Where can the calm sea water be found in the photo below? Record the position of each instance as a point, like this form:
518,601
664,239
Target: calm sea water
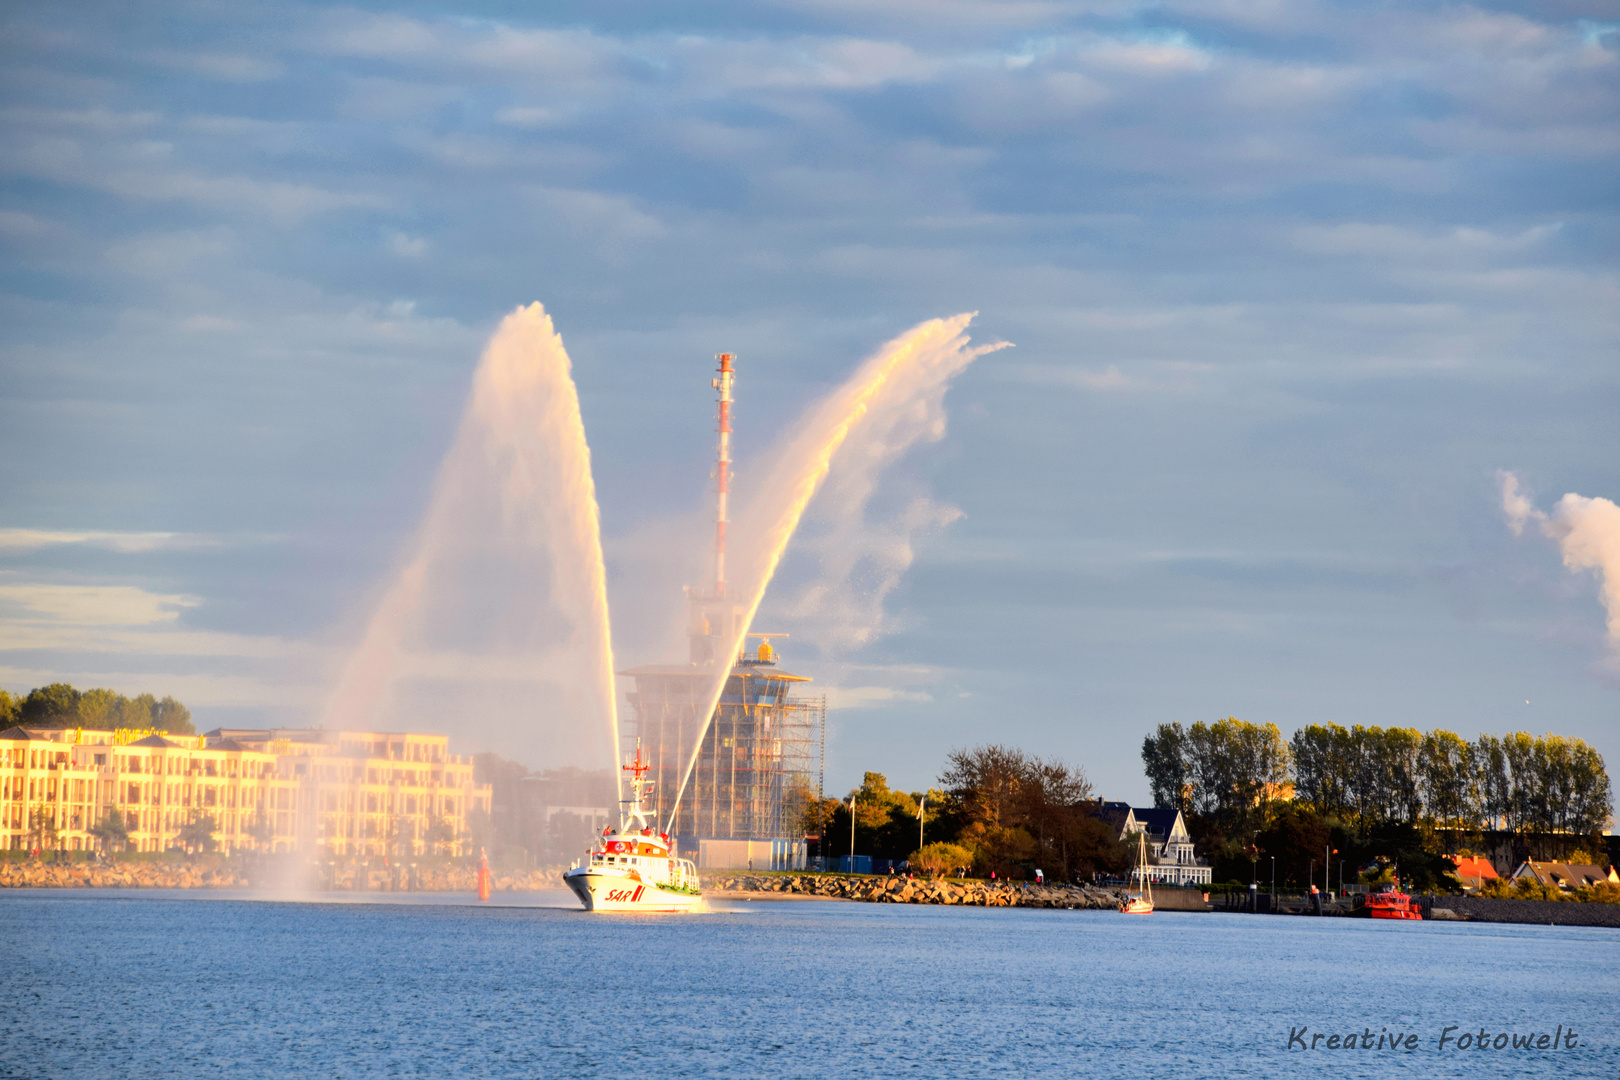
156,985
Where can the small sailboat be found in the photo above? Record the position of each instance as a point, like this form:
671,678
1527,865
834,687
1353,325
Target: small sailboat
634,867
1139,903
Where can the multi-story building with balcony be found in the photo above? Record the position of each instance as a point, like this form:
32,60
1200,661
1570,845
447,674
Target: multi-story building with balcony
320,792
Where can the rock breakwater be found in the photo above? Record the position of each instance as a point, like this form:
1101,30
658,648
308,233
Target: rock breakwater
899,890
32,875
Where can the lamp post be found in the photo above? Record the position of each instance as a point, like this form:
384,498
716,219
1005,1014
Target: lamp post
922,806
1274,877
852,834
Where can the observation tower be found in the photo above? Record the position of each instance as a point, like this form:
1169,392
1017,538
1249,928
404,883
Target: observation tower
760,760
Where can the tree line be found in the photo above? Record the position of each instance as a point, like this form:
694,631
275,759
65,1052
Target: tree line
995,810
60,705
1231,771
1368,793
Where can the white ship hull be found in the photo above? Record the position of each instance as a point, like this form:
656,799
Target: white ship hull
615,890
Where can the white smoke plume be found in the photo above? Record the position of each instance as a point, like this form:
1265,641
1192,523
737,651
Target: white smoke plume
1587,532
498,623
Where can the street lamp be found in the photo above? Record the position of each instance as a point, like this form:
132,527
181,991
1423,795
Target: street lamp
922,805
1274,877
852,834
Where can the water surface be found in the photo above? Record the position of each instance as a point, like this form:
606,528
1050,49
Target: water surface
143,984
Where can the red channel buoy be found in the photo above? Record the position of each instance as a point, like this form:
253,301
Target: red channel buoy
483,875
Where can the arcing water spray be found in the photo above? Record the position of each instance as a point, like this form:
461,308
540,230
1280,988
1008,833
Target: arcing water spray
787,490
521,430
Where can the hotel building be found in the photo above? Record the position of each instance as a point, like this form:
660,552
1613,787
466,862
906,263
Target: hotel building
334,793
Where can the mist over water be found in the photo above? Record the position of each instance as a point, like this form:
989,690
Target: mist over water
497,623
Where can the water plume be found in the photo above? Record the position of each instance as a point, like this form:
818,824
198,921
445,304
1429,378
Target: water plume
508,560
893,400
1587,532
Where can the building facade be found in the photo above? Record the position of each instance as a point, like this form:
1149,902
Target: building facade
332,793
1169,844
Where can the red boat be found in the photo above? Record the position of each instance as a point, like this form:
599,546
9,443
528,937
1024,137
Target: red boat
1390,903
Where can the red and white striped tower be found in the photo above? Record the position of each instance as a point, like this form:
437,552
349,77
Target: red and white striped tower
722,472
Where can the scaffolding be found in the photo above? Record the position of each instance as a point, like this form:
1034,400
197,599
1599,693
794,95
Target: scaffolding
758,766
763,753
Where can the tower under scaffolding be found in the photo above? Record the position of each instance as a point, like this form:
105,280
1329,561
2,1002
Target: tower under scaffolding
760,761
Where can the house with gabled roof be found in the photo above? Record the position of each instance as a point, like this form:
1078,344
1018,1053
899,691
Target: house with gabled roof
1169,844
1565,876
1474,871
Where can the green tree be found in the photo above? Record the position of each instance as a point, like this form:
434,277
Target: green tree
111,831
1165,756
56,705
1297,835
42,830
171,716
1450,791
10,709
1238,771
940,860
100,708
136,712
197,835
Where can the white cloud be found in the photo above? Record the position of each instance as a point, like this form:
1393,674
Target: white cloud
19,540
846,698
92,605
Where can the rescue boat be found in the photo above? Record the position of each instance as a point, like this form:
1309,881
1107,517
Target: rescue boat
634,867
1390,903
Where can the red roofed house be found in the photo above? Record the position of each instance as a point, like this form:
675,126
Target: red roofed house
1473,871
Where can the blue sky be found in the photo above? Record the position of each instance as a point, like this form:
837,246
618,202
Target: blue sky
1289,283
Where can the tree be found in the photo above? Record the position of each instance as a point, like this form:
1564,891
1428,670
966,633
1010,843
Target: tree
100,708
1018,813
136,712
197,835
1164,758
987,780
171,716
111,831
56,705
10,709
938,860
1445,762
42,830
1321,758
1238,769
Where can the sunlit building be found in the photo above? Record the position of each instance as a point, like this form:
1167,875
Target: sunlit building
320,792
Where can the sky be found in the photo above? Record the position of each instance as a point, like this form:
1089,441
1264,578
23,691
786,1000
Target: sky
1288,285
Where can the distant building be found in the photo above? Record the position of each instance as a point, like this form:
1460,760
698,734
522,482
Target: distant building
1169,844
1565,876
1474,871
336,793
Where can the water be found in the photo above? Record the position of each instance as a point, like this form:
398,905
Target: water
904,380
182,985
506,583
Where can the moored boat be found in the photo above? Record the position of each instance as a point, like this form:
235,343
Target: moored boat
634,867
1139,903
1390,902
